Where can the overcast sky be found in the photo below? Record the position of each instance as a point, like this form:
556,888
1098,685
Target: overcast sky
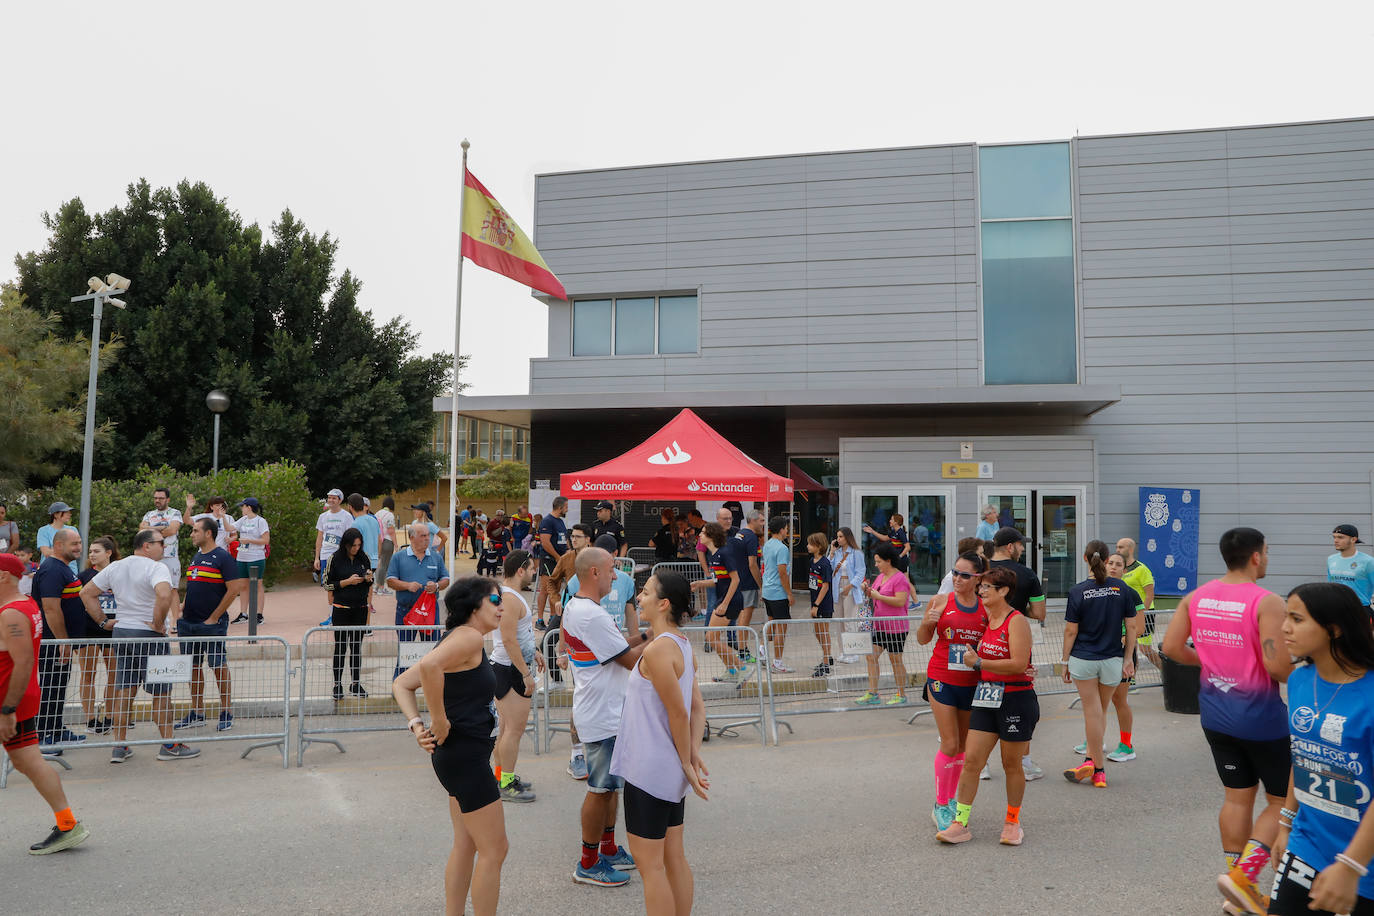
350,113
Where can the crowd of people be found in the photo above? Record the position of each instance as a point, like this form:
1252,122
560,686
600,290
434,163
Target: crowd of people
638,718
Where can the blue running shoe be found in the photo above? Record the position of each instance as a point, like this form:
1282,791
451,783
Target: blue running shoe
621,861
943,815
190,720
577,767
601,874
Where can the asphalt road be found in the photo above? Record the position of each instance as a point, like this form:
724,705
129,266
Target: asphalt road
837,818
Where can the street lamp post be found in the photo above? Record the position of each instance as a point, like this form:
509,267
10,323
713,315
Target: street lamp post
218,402
101,291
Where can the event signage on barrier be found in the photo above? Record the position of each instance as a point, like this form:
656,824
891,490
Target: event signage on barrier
169,669
856,643
1168,543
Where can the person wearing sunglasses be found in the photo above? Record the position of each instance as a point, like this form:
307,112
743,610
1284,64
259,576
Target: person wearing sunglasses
956,621
460,738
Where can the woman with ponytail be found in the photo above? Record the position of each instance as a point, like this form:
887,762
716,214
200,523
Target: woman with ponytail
1096,656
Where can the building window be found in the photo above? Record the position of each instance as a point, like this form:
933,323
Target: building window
1030,317
637,326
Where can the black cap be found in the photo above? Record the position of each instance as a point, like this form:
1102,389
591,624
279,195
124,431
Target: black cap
1005,536
250,501
604,504
1348,531
424,506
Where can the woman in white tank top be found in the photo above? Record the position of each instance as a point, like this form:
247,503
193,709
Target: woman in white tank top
513,659
658,749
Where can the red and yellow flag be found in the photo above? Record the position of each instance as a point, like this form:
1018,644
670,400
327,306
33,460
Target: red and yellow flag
492,240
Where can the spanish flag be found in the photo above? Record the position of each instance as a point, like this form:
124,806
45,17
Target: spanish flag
492,240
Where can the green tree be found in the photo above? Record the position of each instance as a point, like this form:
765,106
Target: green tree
215,304
504,481
43,377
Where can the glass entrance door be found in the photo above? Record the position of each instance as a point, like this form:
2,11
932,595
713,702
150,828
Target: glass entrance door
1013,507
925,515
1059,545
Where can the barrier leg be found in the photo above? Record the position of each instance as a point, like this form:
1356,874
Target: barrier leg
5,767
917,714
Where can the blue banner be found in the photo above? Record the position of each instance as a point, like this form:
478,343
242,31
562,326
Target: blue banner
1169,520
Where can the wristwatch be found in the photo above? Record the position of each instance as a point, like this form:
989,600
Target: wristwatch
8,710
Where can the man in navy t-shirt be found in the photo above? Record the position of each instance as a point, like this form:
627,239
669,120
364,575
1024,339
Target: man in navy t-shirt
58,592
212,586
552,538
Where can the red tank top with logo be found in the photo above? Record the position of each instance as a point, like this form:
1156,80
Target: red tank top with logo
956,627
996,645
28,706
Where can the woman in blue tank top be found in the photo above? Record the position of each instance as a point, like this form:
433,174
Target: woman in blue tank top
1326,835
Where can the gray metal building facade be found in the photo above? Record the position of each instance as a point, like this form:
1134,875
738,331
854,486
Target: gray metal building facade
1223,318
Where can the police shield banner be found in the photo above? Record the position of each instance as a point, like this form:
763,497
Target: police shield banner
1169,537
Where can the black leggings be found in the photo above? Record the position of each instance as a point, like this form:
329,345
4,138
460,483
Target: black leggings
348,641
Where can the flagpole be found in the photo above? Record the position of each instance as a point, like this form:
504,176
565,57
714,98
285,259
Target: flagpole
453,417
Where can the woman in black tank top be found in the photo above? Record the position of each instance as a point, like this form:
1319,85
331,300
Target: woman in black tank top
460,740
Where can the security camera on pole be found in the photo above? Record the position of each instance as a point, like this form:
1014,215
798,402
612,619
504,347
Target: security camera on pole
102,291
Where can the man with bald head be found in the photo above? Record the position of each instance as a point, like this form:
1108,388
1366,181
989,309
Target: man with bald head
1138,577
414,571
600,659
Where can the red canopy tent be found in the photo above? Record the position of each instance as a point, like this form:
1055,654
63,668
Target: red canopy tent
686,459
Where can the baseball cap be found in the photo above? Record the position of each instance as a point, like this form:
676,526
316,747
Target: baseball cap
57,507
11,564
335,492
250,501
604,504
424,506
1348,531
1005,536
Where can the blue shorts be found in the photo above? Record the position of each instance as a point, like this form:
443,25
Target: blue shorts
212,650
131,659
599,778
951,694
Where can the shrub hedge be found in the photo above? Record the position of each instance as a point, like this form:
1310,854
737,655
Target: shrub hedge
117,507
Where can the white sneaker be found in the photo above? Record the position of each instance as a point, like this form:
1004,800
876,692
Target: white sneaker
781,668
986,774
1032,771
847,660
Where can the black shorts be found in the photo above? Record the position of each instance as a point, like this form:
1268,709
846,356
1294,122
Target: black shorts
894,643
1243,764
778,608
649,817
546,565
463,766
26,735
508,678
1292,888
1013,721
731,611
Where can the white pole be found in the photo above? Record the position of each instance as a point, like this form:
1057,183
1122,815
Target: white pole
88,453
214,463
453,416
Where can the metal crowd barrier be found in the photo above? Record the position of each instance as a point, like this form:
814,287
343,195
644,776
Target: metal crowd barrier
643,556
384,651
808,689
729,704
80,690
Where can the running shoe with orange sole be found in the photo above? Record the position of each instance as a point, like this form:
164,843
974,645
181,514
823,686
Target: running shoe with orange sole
1241,892
1080,773
1099,779
1230,908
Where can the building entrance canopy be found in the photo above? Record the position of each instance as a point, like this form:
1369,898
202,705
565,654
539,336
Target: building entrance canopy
686,459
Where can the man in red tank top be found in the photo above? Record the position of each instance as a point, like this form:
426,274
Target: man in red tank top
21,628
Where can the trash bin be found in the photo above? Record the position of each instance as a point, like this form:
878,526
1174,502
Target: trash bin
1181,684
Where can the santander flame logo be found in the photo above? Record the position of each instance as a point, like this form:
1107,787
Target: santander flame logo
577,485
673,454
694,486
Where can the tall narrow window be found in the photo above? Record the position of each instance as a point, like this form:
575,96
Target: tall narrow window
1030,319
591,327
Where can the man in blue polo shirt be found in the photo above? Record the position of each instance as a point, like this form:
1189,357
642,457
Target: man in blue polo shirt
212,587
414,571
1350,567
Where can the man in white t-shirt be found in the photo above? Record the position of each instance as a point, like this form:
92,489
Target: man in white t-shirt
600,660
329,528
166,521
143,593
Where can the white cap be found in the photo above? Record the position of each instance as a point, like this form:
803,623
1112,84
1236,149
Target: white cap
335,492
